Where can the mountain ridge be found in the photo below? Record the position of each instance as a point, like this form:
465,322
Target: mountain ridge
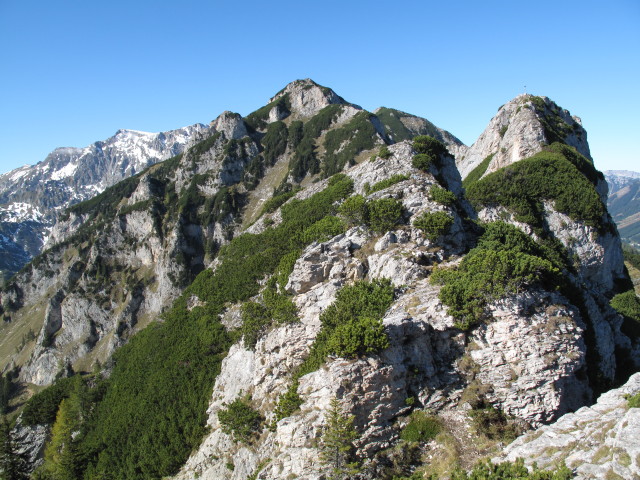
352,218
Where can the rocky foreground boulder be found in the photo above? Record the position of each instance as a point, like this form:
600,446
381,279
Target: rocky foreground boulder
599,441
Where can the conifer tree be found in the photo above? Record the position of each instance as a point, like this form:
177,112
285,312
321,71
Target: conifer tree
13,464
61,455
337,450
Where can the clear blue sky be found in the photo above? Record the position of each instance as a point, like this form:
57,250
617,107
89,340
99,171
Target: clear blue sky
73,72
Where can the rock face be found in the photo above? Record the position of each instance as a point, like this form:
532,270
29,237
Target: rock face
32,196
529,360
306,98
600,441
520,129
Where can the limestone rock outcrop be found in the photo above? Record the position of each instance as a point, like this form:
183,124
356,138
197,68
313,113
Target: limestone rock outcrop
599,441
520,129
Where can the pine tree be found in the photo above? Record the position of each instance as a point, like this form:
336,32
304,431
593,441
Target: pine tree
337,450
13,464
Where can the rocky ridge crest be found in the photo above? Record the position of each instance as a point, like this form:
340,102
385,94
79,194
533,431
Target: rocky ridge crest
520,129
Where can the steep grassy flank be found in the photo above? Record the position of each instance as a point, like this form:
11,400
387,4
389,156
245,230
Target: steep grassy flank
477,172
345,142
398,131
305,159
548,175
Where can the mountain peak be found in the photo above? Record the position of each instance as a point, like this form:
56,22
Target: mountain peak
519,130
230,124
306,97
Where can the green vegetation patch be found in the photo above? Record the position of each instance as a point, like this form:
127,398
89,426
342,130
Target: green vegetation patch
345,142
277,201
384,214
631,255
504,262
240,420
354,210
359,337
634,400
521,187
628,305
396,130
555,128
41,409
442,195
386,183
422,427
351,327
303,139
477,172
258,119
494,424
434,224
204,146
274,142
486,470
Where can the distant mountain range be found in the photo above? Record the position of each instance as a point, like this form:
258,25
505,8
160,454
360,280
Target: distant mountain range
31,197
624,203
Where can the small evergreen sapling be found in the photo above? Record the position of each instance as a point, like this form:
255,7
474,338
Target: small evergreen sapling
337,450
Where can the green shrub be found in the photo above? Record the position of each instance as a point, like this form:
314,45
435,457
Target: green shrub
280,308
434,224
396,130
384,214
494,424
296,132
422,427
258,119
41,409
634,400
285,267
429,145
631,255
240,420
423,161
304,141
277,201
274,142
255,319
381,185
354,210
322,230
503,130
628,305
358,337
442,195
504,262
486,470
384,152
288,402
